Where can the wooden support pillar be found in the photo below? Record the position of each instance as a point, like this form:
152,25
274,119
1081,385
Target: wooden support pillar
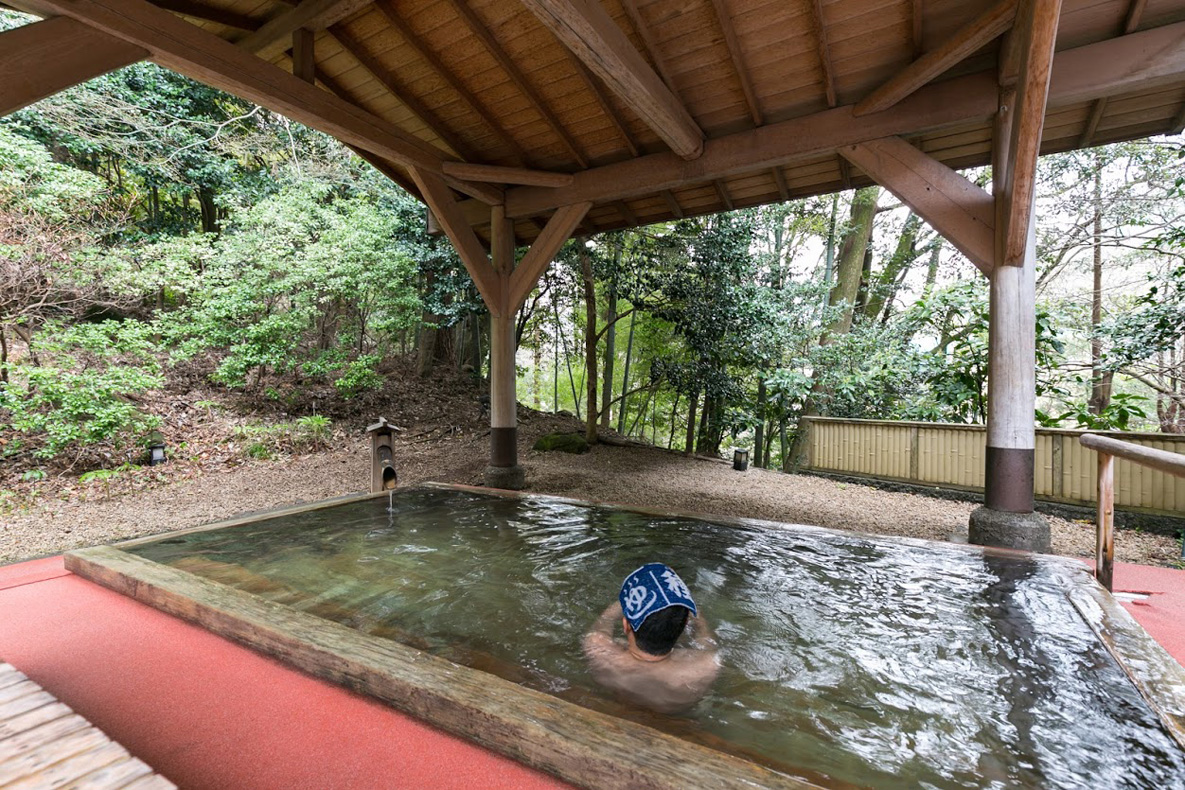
503,287
503,470
1007,518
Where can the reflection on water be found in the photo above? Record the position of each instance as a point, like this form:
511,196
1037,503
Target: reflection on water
847,660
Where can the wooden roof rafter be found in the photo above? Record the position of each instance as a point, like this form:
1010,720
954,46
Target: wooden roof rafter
452,80
479,28
391,83
593,36
1131,21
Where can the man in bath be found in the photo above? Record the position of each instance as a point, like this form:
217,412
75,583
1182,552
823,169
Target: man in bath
654,606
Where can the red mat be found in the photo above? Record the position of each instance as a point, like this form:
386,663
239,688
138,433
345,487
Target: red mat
209,714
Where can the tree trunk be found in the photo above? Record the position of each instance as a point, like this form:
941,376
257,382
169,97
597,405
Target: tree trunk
590,346
689,446
1100,380
884,287
209,210
610,342
3,357
759,433
851,258
625,375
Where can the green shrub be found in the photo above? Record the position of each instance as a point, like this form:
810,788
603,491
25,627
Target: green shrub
81,394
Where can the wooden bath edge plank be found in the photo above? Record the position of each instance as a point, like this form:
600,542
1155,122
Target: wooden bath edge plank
581,746
1158,676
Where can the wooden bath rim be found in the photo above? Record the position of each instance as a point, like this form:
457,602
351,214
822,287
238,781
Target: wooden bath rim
581,746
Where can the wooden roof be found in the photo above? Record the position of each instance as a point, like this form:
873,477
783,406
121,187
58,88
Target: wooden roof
769,83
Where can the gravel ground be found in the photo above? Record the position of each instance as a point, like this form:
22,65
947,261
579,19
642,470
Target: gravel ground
638,476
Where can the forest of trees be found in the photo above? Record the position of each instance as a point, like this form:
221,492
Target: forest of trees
146,220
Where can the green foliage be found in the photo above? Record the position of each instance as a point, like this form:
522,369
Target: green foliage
264,441
306,281
1117,415
81,395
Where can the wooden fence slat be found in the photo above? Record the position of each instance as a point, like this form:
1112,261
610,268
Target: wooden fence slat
951,454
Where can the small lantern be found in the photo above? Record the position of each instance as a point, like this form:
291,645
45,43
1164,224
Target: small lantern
156,449
383,476
740,460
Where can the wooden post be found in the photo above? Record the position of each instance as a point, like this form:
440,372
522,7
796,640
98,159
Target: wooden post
1105,543
503,471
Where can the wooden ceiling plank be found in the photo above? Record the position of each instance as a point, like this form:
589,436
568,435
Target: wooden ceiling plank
1032,92
969,39
594,86
543,250
738,62
203,56
958,209
506,175
45,57
590,33
1147,59
401,92
917,15
1135,12
626,213
441,70
819,30
533,97
650,51
272,38
207,13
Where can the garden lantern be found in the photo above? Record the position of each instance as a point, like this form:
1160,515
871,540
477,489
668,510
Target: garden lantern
383,476
156,449
740,460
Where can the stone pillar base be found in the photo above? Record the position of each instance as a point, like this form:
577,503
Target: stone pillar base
1026,531
512,478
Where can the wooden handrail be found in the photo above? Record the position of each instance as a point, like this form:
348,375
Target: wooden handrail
1170,463
1109,449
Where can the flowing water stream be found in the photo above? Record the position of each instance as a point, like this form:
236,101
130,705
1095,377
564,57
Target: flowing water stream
848,660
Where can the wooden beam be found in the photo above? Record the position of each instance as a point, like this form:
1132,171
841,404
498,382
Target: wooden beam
207,13
627,213
42,58
543,250
1028,121
780,181
969,39
441,70
303,60
189,50
444,205
723,18
722,192
592,35
271,39
506,175
673,203
819,30
480,29
1178,124
958,209
1150,58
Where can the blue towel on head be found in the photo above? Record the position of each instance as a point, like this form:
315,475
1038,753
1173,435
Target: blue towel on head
650,589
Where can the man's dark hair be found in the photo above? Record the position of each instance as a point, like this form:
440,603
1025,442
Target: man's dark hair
658,633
